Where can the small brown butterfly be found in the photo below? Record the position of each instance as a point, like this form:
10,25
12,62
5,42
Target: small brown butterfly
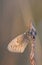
19,43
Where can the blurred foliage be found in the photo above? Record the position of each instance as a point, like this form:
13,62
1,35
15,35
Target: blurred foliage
36,7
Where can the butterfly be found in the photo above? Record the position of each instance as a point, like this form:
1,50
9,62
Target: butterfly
19,43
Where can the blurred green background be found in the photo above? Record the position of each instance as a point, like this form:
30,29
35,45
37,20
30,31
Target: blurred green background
14,17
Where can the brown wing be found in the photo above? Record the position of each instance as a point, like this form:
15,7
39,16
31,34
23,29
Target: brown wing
18,44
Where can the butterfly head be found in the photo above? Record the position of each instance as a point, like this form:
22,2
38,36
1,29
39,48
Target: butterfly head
32,31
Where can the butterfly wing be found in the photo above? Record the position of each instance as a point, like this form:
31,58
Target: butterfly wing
18,44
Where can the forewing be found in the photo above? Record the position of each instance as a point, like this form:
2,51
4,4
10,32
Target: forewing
18,44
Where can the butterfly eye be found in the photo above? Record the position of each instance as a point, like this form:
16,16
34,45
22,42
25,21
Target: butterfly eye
35,33
31,32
